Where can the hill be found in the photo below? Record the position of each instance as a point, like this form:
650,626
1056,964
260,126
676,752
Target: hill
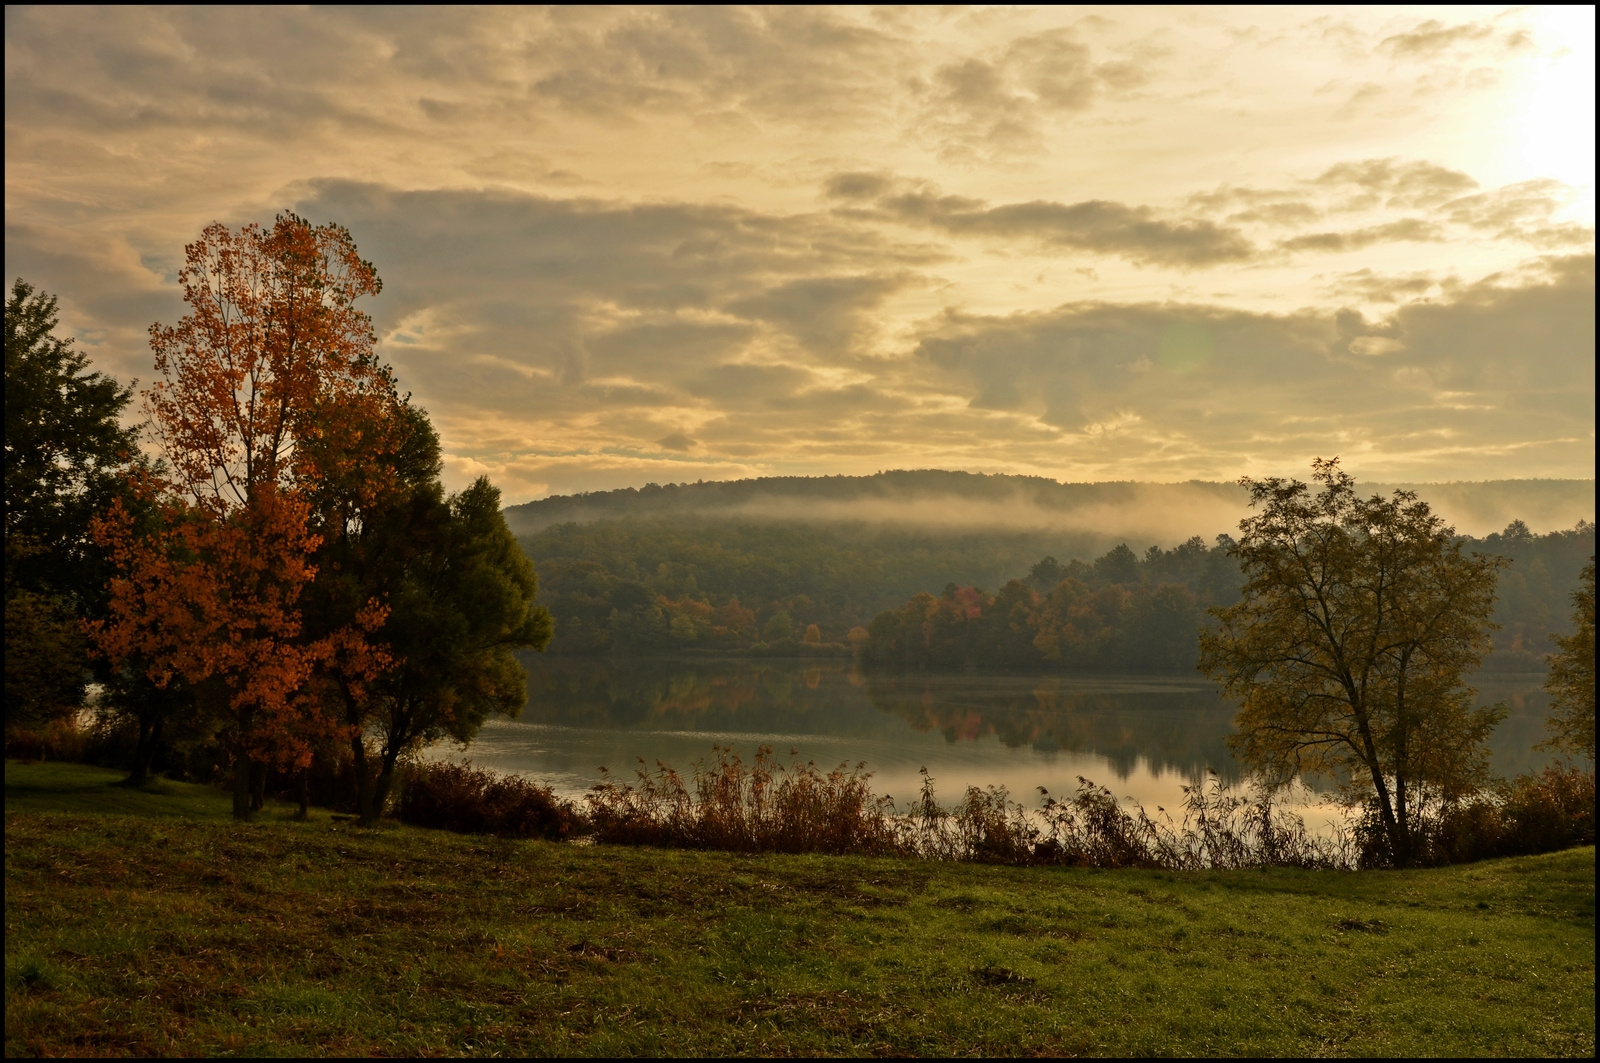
794,564
936,499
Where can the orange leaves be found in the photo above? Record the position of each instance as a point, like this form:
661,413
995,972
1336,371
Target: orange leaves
214,600
354,661
272,360
269,392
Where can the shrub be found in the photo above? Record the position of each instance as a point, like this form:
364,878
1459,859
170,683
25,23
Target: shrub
1551,810
84,737
1540,813
59,739
1220,829
468,800
762,807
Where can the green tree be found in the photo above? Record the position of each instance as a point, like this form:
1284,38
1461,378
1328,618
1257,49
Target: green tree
46,660
779,626
1119,565
460,595
1571,678
1358,620
1045,574
65,451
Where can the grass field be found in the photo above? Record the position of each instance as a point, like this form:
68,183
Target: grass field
148,922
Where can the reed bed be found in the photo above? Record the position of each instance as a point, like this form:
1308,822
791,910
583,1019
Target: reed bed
768,806
469,800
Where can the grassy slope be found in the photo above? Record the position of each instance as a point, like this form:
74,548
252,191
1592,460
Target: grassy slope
148,922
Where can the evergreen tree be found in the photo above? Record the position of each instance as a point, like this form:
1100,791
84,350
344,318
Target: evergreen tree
66,448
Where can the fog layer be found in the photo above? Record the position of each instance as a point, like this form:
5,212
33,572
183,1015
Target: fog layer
1144,513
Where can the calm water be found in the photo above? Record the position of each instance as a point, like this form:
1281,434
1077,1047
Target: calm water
1143,737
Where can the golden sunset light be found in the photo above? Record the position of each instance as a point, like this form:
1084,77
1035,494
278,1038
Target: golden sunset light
623,245
821,532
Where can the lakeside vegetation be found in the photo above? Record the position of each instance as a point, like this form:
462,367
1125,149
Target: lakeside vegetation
148,922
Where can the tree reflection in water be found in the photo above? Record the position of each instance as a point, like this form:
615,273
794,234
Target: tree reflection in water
1129,732
1172,726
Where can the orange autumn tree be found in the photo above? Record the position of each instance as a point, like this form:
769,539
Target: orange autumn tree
269,389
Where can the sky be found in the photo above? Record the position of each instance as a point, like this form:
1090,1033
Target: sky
634,245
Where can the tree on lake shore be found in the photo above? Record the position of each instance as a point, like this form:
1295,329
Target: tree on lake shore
269,388
458,595
1347,651
1571,679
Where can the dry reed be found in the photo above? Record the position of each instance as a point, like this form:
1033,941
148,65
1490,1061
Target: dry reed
771,807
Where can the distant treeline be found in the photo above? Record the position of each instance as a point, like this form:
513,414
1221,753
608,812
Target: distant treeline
1126,613
677,584
1535,591
695,584
1123,613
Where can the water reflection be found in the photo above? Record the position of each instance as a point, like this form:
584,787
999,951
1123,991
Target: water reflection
1172,726
1142,736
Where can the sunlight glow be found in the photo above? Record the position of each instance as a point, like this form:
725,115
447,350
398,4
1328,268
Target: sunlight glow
1554,118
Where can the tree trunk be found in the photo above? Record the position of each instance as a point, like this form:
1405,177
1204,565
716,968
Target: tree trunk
241,784
1402,808
1402,816
380,788
258,787
303,792
358,747
144,756
380,795
1399,839
1391,826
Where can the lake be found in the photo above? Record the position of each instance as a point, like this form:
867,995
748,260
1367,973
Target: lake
1141,736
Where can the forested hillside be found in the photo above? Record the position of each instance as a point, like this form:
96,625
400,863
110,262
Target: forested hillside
923,497
663,584
794,566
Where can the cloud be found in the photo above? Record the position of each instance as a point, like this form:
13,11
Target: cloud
606,260
982,106
1428,39
1491,375
1281,214
1405,229
1136,233
1397,183
676,441
1362,186
336,77
791,64
540,324
1522,211
822,313
1373,287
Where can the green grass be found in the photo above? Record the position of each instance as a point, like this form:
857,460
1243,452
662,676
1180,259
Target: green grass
55,787
148,922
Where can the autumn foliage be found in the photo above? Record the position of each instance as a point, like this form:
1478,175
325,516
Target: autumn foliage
269,392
